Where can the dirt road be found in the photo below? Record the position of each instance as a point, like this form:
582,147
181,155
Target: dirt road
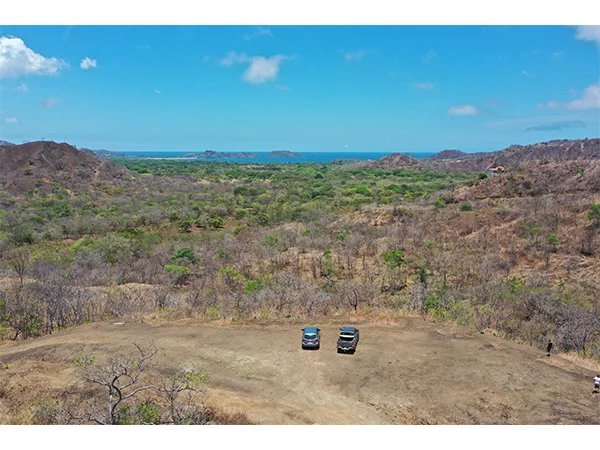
409,372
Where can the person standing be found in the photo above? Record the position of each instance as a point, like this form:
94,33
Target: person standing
549,347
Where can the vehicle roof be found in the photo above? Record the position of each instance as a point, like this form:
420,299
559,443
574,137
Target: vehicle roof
310,329
348,329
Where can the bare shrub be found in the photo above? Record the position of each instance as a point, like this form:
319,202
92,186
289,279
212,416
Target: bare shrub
355,294
52,412
131,303
179,392
576,328
21,311
19,261
120,379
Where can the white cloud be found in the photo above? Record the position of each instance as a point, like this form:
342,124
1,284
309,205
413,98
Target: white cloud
429,56
590,99
48,102
589,33
426,86
87,63
22,87
12,120
260,69
263,69
355,55
260,31
463,110
232,58
527,73
17,59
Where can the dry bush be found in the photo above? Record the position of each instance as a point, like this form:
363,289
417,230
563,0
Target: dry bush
123,390
128,303
224,418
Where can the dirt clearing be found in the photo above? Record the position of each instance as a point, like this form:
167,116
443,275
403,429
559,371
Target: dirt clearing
411,372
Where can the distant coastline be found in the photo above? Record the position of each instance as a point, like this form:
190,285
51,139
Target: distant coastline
273,157
211,154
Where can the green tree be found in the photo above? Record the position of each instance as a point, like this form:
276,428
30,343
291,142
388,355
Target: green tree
148,413
394,258
186,254
180,273
252,286
327,265
439,202
232,277
594,214
115,248
215,222
552,241
185,225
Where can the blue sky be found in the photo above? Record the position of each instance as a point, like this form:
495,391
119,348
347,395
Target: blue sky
336,88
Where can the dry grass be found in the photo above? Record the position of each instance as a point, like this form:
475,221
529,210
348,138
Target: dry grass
406,370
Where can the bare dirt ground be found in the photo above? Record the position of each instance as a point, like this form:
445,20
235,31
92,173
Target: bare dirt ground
411,371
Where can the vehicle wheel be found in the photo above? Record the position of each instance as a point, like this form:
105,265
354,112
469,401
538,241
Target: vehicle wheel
317,347
339,351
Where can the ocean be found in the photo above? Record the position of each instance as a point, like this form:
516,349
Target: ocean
266,157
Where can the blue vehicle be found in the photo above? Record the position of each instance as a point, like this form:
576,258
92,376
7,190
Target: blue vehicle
311,338
348,340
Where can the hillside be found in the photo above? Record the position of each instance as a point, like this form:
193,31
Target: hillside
511,157
449,154
393,161
43,164
220,264
535,178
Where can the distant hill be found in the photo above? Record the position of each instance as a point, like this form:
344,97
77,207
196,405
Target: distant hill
394,160
6,144
106,154
449,154
211,154
42,164
511,157
284,154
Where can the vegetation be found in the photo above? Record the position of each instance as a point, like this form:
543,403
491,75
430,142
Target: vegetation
124,391
279,241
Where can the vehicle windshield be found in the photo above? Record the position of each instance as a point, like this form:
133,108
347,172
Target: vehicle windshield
310,336
346,338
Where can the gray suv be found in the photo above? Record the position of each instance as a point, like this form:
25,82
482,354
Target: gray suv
311,338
